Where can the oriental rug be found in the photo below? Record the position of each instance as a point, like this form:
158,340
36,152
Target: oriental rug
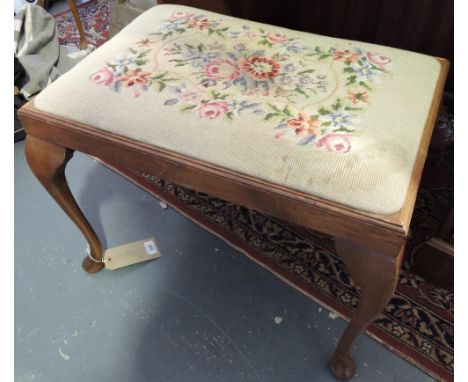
95,17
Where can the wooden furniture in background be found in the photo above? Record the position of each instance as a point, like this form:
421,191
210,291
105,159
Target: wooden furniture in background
435,257
79,24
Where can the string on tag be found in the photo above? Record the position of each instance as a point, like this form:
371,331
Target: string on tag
88,253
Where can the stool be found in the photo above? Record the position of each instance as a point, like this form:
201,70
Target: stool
326,133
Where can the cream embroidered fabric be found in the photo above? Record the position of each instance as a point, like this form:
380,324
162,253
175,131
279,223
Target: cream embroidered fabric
333,118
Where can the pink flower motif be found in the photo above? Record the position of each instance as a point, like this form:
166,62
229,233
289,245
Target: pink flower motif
347,56
180,15
200,24
134,77
378,60
276,38
304,124
103,76
222,70
337,143
212,110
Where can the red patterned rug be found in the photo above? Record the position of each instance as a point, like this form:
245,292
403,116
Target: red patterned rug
95,16
417,324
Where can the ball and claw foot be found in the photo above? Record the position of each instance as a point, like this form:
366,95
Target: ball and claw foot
343,367
91,266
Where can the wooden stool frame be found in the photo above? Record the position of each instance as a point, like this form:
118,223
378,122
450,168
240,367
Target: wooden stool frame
371,245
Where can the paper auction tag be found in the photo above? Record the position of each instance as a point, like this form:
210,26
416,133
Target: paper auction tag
131,253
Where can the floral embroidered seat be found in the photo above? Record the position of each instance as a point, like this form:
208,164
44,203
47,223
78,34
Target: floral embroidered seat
334,118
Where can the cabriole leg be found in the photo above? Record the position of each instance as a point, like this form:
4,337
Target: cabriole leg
377,275
48,161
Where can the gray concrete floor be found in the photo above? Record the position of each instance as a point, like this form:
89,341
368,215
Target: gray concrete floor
202,312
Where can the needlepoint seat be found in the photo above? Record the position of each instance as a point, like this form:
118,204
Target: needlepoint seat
338,119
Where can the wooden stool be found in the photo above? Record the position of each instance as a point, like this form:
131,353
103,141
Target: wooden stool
326,133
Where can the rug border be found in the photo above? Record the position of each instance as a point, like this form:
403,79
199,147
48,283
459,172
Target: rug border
386,340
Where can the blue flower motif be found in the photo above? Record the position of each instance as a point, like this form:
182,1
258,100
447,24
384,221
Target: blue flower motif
117,86
198,59
289,67
247,105
340,119
125,61
178,89
285,80
281,126
309,138
207,82
171,26
171,102
240,47
306,80
365,72
294,47
322,88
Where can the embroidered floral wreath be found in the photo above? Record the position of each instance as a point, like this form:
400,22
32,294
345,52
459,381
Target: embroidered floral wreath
230,68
